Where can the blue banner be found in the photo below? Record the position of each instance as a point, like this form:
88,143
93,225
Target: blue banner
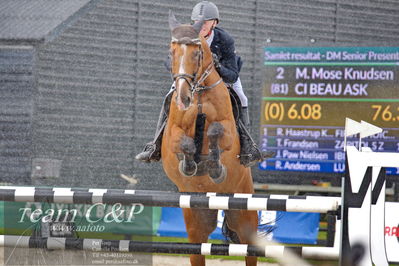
283,227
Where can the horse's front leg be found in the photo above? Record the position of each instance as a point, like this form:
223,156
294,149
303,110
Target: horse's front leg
187,166
216,169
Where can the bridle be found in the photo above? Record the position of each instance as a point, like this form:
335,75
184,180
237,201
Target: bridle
193,80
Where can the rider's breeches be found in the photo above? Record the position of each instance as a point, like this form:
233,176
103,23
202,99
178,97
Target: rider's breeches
237,87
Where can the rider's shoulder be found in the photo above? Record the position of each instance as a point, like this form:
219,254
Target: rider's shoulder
223,36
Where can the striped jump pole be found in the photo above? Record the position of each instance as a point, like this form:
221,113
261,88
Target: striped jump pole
158,247
127,197
162,192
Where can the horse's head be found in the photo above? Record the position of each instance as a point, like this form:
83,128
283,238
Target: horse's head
186,59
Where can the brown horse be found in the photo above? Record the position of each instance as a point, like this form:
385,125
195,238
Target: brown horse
198,89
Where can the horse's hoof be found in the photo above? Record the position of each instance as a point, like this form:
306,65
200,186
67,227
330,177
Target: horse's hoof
220,176
215,130
186,170
187,146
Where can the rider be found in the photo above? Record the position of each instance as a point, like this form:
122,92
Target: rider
228,66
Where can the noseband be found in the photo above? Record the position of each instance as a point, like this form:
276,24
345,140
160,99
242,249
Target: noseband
195,84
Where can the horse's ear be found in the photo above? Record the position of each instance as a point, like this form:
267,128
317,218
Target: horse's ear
198,25
173,23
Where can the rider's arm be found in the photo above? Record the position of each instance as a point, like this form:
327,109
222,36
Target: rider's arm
228,69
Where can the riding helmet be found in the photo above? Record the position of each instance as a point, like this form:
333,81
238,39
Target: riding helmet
205,10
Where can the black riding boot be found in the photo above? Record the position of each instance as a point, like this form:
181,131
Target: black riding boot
244,116
249,152
152,150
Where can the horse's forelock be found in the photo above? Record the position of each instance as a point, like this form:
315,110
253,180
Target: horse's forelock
184,34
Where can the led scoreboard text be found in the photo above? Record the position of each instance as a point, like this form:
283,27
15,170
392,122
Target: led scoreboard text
309,91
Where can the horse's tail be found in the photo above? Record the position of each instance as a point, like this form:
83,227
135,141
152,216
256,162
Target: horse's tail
229,234
264,229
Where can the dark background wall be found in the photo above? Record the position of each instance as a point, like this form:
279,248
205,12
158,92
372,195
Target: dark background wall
17,82
100,82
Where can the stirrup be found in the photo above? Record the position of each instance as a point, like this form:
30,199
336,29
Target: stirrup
250,156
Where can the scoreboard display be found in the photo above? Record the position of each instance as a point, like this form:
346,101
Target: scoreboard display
309,91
